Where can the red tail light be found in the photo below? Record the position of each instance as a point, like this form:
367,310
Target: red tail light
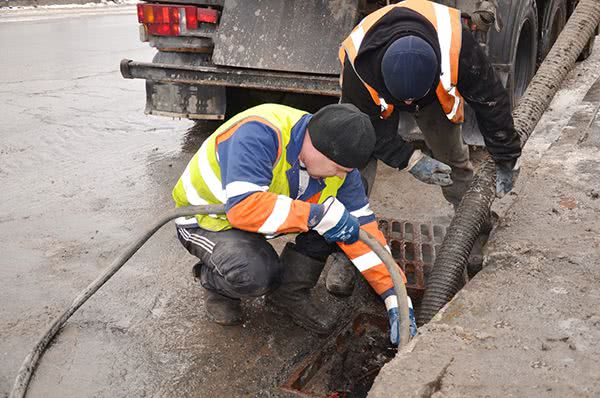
140,12
191,18
165,20
208,15
149,13
163,29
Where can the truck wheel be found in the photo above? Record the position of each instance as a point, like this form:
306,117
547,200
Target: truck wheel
554,18
524,50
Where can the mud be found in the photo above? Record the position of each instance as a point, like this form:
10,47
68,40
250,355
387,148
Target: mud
356,364
347,364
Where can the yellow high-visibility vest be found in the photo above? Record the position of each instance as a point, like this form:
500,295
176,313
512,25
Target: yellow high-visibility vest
200,184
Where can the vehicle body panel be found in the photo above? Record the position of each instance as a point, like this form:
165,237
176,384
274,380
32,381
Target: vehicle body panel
298,36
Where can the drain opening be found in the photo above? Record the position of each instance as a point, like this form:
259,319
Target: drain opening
348,365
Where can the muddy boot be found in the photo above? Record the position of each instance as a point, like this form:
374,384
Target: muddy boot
341,276
221,309
300,275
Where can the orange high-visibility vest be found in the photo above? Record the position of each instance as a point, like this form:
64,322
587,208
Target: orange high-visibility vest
448,26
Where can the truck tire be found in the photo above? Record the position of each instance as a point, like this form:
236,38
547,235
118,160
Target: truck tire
553,20
514,49
524,50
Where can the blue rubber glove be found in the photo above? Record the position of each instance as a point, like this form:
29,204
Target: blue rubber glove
391,303
428,170
507,172
337,224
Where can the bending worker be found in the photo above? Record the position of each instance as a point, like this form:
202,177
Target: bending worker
414,56
280,170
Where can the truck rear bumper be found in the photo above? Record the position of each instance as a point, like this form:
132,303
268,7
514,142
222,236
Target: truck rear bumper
231,77
198,91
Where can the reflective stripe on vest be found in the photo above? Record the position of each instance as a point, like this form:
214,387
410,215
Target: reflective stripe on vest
447,24
200,183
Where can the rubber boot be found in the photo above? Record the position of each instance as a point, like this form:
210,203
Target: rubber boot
300,275
221,309
341,276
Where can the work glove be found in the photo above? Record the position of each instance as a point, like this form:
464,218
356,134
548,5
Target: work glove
429,170
391,303
507,172
337,224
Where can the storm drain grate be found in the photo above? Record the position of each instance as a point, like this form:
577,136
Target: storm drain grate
414,246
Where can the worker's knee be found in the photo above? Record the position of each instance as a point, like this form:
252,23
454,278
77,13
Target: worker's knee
249,269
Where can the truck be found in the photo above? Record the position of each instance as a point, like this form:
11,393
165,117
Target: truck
217,57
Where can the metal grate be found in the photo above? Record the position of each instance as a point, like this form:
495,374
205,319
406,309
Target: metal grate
414,247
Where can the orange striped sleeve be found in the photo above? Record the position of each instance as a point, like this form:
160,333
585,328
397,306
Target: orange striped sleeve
269,213
368,263
315,198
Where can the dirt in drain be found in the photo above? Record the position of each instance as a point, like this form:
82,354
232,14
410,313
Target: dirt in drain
360,354
347,365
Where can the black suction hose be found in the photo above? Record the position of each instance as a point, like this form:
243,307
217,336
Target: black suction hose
447,274
32,359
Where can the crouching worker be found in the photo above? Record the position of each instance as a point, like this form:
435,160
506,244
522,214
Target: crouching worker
280,170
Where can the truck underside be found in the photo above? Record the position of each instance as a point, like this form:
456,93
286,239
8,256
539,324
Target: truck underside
251,52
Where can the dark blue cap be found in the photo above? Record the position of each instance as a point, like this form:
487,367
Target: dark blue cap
409,68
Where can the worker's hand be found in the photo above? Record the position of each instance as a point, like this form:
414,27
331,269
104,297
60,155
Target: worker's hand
507,172
391,303
337,224
429,170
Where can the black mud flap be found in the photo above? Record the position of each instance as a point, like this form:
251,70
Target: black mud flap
185,100
284,35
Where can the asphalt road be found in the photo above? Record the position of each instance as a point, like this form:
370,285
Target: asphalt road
81,167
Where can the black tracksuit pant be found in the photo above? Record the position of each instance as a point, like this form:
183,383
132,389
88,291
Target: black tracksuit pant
238,263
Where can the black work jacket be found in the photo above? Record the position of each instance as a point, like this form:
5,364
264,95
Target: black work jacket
477,83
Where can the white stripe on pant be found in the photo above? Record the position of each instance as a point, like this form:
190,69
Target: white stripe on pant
201,241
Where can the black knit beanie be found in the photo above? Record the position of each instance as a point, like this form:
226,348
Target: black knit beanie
343,134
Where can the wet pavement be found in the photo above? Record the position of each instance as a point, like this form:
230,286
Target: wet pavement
81,167
81,170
